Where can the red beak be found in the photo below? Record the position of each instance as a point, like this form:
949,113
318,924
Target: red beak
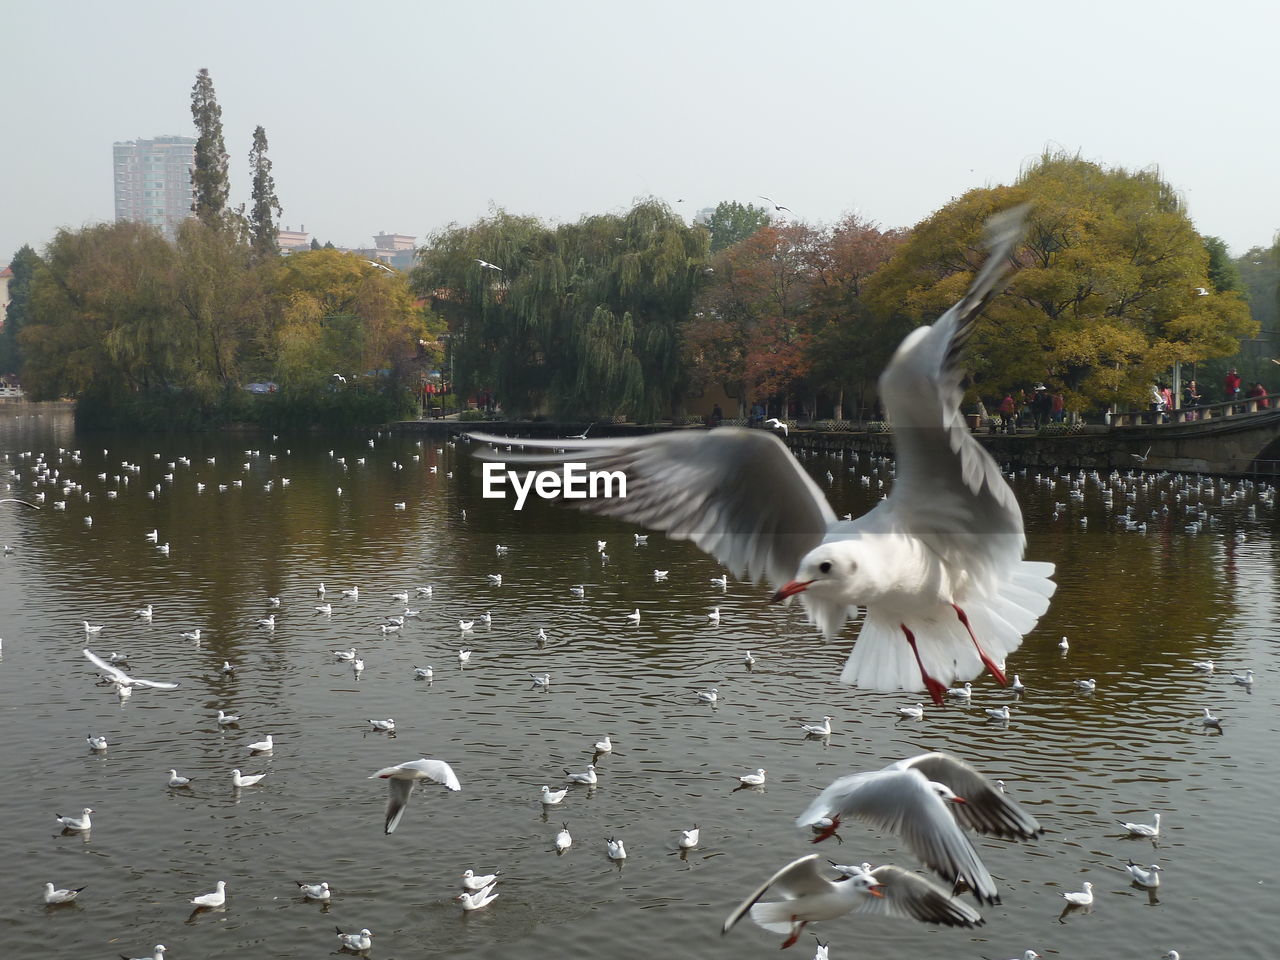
959,800
790,590
875,891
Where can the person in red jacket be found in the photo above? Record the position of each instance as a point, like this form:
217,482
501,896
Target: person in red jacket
1007,409
1231,385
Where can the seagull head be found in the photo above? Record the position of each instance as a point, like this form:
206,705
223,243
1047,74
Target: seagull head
835,571
945,792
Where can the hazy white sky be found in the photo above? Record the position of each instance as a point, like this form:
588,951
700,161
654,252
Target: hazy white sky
405,116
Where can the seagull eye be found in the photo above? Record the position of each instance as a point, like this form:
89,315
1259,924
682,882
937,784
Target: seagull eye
825,566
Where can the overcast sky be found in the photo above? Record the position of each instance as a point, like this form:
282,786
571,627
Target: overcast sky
406,116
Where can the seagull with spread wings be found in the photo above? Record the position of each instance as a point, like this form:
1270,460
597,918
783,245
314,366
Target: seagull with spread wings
937,564
804,894
925,800
122,679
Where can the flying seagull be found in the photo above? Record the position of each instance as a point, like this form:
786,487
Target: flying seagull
401,780
122,679
486,265
776,206
926,799
801,893
937,564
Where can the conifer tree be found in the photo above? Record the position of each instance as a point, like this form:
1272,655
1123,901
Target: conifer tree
265,208
209,176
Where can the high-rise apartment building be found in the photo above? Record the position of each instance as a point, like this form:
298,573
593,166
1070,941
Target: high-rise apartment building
153,181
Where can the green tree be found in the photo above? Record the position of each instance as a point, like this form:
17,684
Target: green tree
23,265
1224,275
339,314
1107,296
265,210
220,295
581,319
104,318
209,177
731,223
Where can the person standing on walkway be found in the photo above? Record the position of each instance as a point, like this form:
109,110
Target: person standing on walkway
1231,385
1006,414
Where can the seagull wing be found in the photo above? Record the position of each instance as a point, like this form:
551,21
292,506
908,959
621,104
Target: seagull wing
952,490
107,670
901,801
122,678
16,500
797,879
986,809
738,494
398,793
908,894
436,770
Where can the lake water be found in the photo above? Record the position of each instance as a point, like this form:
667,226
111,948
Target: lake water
1137,607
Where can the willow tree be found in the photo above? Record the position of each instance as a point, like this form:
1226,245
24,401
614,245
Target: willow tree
104,320
576,320
220,295
1108,294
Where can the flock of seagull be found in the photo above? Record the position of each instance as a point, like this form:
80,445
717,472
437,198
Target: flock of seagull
930,801
937,565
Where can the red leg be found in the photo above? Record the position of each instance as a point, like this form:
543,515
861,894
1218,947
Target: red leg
795,933
936,689
986,660
829,831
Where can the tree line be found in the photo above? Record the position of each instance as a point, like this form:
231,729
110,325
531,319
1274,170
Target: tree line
139,328
629,314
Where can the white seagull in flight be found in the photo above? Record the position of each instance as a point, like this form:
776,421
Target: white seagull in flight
122,679
916,798
937,564
402,778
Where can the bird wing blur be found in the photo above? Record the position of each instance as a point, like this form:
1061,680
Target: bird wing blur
738,494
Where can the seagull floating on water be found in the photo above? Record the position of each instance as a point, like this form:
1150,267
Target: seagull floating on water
314,891
551,797
563,839
81,823
616,849
215,899
238,780
96,744
822,729
912,713
177,781
358,942
1081,899
689,838
1142,829
937,564
479,899
756,779
52,895
588,777
1148,877
473,882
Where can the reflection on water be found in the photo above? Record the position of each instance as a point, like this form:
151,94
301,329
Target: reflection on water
1137,607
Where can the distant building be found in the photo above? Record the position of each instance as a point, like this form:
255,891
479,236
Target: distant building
5,276
396,250
703,216
293,241
153,181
